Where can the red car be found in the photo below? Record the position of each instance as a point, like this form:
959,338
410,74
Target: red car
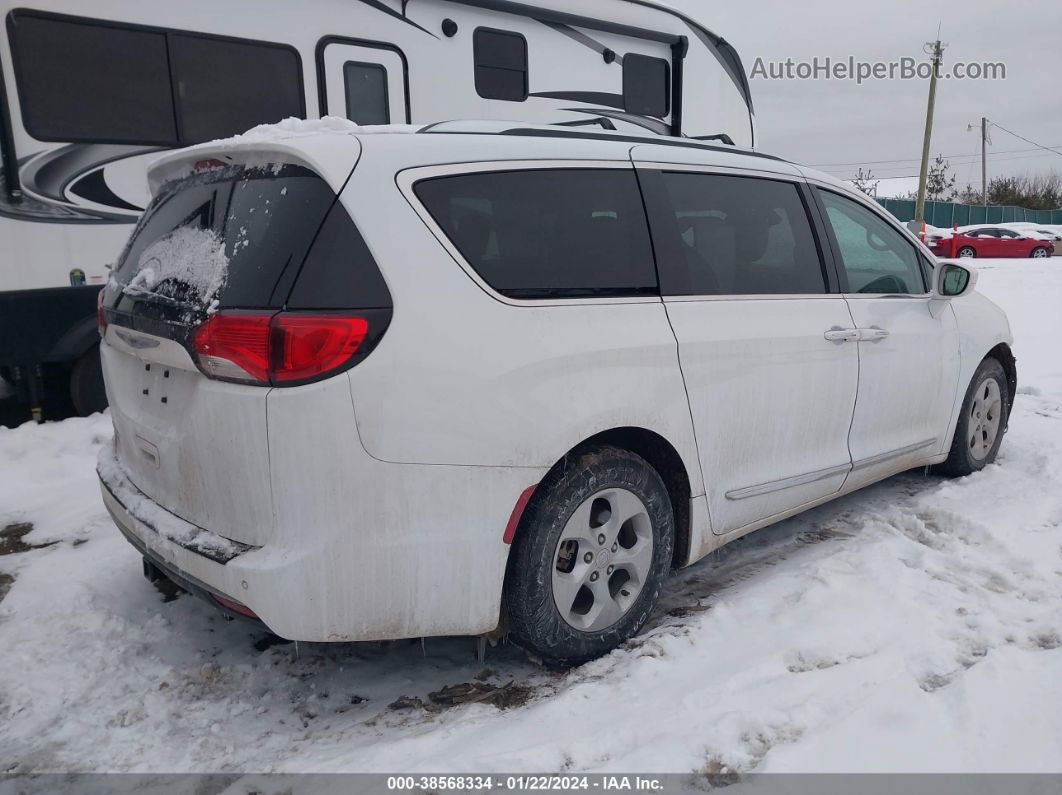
988,242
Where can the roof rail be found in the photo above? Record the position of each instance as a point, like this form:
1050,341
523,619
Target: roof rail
596,120
723,137
663,140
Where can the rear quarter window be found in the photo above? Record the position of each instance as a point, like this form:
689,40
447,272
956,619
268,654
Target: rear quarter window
547,233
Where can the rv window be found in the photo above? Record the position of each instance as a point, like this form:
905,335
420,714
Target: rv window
226,87
646,85
501,64
548,233
366,87
86,82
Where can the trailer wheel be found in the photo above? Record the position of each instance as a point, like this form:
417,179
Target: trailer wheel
86,383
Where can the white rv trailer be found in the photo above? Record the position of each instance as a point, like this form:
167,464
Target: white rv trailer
92,90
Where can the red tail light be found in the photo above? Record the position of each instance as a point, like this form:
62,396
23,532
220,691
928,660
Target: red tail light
235,346
308,346
277,348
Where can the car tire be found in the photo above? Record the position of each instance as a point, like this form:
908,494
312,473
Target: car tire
1039,252
87,390
982,421
596,537
967,252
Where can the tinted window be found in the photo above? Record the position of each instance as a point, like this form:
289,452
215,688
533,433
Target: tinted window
234,230
86,81
646,85
225,87
548,233
366,87
738,236
501,64
339,272
81,82
876,257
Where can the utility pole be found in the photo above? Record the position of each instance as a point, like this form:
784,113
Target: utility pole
984,163
937,52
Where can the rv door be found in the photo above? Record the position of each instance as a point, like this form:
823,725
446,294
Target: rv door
363,82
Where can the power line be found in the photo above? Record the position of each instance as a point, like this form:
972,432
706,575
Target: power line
915,159
836,172
1028,141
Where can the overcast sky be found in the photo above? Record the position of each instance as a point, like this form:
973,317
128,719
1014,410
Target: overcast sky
829,124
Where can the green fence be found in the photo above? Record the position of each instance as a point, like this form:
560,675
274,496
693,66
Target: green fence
949,214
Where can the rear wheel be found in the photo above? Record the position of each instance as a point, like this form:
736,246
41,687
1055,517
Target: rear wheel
86,383
590,556
967,252
1039,252
982,421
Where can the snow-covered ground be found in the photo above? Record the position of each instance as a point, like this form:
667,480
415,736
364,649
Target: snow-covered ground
916,626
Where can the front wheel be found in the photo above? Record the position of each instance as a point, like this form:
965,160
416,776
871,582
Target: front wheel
967,252
982,421
1039,252
590,556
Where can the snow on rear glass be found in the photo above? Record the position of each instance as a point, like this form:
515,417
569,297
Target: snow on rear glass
189,256
225,239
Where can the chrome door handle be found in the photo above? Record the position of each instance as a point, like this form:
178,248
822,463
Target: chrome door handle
872,334
838,334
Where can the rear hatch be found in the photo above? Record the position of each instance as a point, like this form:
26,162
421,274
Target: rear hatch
232,243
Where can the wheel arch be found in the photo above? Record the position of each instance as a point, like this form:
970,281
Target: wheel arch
1003,354
662,456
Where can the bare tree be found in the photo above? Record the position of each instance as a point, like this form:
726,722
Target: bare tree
865,181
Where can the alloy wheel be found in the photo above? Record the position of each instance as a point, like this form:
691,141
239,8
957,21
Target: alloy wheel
603,559
986,413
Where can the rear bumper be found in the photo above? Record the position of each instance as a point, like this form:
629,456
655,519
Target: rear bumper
123,521
398,551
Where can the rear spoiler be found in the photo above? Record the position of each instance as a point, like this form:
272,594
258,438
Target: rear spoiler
331,155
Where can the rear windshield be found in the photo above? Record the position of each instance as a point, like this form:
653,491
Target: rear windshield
548,233
225,238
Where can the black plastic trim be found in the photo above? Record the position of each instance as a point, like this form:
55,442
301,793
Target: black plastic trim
820,228
322,77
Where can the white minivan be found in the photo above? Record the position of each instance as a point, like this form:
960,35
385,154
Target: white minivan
483,377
